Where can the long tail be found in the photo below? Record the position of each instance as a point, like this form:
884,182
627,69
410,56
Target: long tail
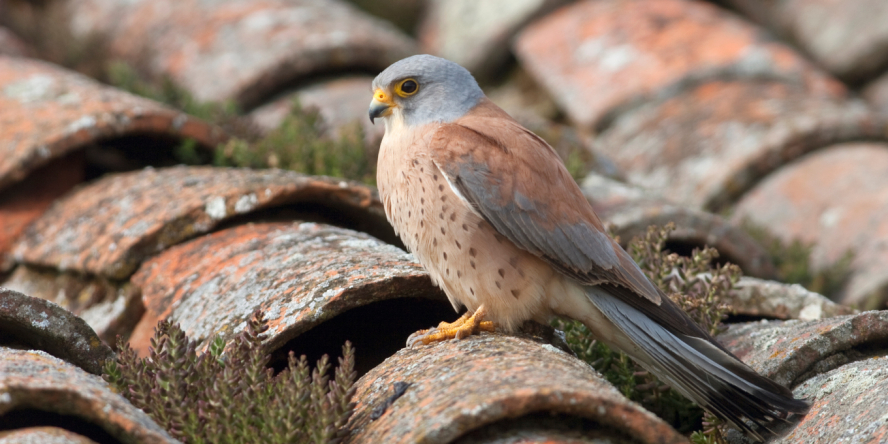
699,369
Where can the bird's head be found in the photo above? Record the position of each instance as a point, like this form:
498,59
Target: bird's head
423,89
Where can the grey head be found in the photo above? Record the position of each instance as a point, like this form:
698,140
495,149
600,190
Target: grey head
445,90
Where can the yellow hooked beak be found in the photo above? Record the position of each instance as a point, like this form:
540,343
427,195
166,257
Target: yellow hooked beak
381,105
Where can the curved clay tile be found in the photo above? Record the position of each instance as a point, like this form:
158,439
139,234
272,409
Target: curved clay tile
38,324
709,144
110,307
52,119
469,387
776,300
47,112
37,387
789,352
110,226
477,34
847,401
318,284
241,50
43,435
629,211
838,364
599,56
849,39
837,199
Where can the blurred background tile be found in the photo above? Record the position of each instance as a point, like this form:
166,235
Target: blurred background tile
837,199
596,57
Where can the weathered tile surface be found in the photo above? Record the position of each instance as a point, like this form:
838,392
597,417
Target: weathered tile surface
108,227
837,364
707,145
776,300
460,386
25,201
597,56
241,50
849,38
43,435
38,324
301,275
837,199
848,405
38,382
47,112
110,308
477,34
629,210
789,352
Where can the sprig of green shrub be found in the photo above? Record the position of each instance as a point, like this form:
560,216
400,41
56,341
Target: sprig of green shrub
231,397
300,143
700,288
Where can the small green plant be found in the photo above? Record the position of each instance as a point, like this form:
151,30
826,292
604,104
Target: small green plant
299,144
700,288
711,433
793,262
125,77
232,397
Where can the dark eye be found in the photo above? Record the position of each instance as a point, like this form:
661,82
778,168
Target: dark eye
407,87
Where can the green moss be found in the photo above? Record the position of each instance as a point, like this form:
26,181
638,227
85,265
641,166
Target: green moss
700,288
793,262
232,397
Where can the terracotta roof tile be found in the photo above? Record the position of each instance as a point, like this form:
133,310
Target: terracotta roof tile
838,364
302,275
11,45
629,210
108,227
595,57
47,112
788,351
776,300
459,387
477,34
43,435
38,387
848,402
242,50
836,198
706,146
25,201
110,307
849,38
38,324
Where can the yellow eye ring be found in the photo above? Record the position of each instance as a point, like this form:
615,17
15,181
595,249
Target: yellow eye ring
407,87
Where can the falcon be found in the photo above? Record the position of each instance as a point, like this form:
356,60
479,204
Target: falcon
491,212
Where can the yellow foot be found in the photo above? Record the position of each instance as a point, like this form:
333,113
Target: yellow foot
463,327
